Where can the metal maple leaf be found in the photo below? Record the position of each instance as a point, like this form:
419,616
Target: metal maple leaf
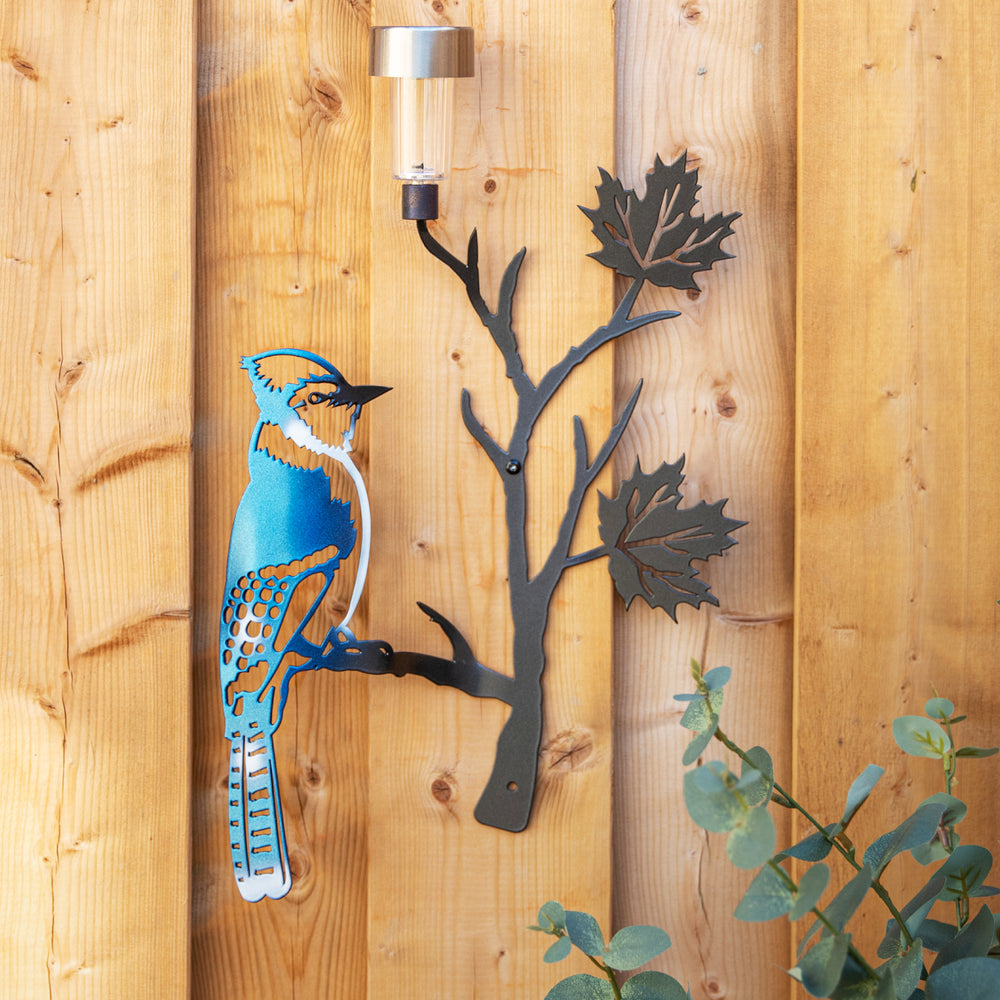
650,542
657,237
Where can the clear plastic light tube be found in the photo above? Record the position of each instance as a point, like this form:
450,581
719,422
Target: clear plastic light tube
422,122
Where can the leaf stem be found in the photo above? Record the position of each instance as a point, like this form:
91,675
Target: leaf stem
609,974
793,803
950,763
823,919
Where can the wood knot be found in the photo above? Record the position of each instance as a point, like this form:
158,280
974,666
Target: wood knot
726,405
692,11
28,469
68,377
50,708
300,864
444,788
714,988
568,750
328,96
22,65
312,777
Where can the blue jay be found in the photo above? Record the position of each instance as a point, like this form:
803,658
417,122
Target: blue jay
287,529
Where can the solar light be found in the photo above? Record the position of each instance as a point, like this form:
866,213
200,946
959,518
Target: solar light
423,63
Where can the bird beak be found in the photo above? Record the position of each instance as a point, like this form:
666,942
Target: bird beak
361,394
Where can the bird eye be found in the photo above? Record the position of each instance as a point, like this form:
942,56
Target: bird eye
315,398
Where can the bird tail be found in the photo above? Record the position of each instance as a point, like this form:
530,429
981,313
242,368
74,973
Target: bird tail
256,830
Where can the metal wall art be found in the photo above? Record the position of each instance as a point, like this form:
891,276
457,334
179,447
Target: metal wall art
289,532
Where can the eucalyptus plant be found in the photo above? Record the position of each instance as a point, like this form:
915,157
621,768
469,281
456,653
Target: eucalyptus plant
629,949
920,956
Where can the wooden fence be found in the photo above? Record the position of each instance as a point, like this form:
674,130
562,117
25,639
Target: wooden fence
188,183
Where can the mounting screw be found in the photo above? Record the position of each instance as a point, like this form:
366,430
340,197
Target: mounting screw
513,467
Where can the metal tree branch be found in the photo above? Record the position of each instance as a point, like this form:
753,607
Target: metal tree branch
507,800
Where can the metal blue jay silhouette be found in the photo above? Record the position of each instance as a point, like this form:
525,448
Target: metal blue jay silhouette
287,529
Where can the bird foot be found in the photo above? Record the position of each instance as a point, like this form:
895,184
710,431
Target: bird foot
370,656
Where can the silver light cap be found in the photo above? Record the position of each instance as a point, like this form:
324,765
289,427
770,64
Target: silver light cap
421,52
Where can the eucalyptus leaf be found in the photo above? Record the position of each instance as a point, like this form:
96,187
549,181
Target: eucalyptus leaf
904,970
584,932
820,967
920,737
842,907
717,678
653,986
976,751
859,791
635,946
954,809
936,934
968,979
974,940
710,803
700,741
558,951
581,987
812,885
699,714
965,871
759,792
751,842
856,984
815,847
913,914
714,777
916,829
928,854
939,708
551,917
767,897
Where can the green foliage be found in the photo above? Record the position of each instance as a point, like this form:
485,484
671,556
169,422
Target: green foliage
924,958
629,949
967,962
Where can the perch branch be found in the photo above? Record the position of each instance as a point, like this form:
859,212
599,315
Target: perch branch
463,672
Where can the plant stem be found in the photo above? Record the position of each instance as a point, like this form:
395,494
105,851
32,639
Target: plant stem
610,974
950,764
823,919
848,856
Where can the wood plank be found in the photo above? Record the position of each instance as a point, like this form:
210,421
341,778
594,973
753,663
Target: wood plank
718,81
898,492
96,275
283,262
449,898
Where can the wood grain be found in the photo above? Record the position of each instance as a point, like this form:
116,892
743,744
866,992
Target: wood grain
97,168
283,262
898,472
718,81
449,898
